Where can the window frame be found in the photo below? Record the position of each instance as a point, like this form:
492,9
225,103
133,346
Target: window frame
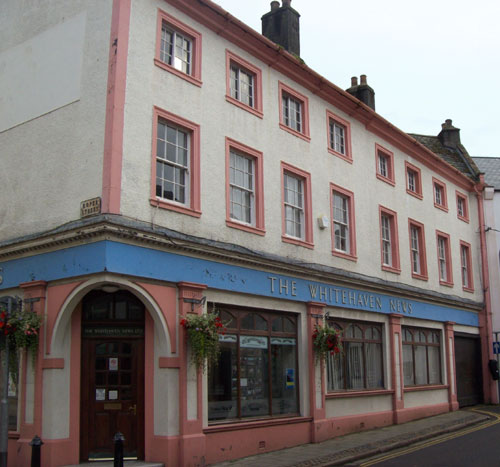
238,314
349,195
423,274
343,325
307,241
469,286
465,215
448,282
193,208
414,343
389,156
417,193
248,68
283,90
395,266
194,77
443,205
258,225
333,118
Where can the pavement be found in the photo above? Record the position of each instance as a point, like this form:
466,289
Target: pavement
347,449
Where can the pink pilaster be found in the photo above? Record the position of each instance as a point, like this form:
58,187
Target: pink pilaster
450,364
396,365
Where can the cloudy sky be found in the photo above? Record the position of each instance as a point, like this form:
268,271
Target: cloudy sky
427,61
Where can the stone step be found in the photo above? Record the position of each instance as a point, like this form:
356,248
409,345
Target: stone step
125,464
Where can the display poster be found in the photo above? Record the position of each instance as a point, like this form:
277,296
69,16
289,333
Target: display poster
113,364
290,377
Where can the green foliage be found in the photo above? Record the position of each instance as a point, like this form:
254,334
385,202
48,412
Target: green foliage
203,337
326,340
21,329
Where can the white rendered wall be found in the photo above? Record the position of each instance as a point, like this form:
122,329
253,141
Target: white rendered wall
149,85
53,77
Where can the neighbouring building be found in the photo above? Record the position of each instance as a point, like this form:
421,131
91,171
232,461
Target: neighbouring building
161,158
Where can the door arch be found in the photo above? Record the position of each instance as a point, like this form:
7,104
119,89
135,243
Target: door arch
112,374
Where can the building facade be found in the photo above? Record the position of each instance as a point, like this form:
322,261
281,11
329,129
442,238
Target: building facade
179,162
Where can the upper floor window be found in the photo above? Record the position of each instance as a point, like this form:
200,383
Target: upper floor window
462,207
360,365
466,265
421,357
440,197
297,225
176,177
245,208
294,112
385,164
389,240
417,250
343,232
178,48
244,84
413,180
339,136
444,259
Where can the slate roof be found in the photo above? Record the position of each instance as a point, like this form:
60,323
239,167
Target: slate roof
491,168
457,157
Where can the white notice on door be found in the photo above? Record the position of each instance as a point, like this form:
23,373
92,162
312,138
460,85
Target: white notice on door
113,364
100,394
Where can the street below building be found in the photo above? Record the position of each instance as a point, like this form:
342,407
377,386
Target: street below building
476,446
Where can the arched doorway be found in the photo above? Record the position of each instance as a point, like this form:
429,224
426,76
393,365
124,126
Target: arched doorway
112,374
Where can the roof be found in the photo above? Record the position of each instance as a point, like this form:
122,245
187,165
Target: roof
491,168
457,157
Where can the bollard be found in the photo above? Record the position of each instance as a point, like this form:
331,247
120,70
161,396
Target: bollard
118,440
36,445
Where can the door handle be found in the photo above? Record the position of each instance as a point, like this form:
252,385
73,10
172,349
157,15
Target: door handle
133,409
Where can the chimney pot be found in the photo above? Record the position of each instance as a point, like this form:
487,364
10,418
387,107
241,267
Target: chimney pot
363,92
275,5
363,79
354,81
286,2
449,135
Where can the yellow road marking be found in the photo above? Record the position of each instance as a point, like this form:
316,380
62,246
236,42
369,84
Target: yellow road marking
438,440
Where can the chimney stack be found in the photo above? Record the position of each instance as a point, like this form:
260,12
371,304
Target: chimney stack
281,25
362,91
449,135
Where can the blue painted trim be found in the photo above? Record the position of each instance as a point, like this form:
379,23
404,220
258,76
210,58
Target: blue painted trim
147,263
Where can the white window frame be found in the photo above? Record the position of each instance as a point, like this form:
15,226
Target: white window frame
341,217
415,250
442,259
296,123
234,187
237,85
387,259
296,209
338,135
169,50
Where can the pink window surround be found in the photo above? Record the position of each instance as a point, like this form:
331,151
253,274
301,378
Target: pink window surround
449,271
469,287
352,255
194,207
437,185
417,192
308,230
259,227
395,266
331,117
381,152
423,275
284,90
256,72
465,206
195,37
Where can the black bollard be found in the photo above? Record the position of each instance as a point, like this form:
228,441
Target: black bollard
36,445
118,440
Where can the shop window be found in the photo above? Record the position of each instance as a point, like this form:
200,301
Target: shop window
421,357
360,365
256,375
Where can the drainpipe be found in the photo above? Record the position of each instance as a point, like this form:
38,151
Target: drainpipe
486,334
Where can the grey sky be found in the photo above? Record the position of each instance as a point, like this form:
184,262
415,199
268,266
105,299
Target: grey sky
427,61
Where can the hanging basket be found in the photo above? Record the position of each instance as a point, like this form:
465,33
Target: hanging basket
326,340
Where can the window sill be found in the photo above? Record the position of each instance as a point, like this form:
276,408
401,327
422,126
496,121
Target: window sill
420,277
391,269
340,254
303,136
464,219
389,181
14,435
162,204
245,425
241,105
245,227
415,194
190,78
468,289
345,157
446,284
441,206
357,393
297,241
429,387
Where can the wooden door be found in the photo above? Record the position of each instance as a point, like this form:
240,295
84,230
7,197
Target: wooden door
468,370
